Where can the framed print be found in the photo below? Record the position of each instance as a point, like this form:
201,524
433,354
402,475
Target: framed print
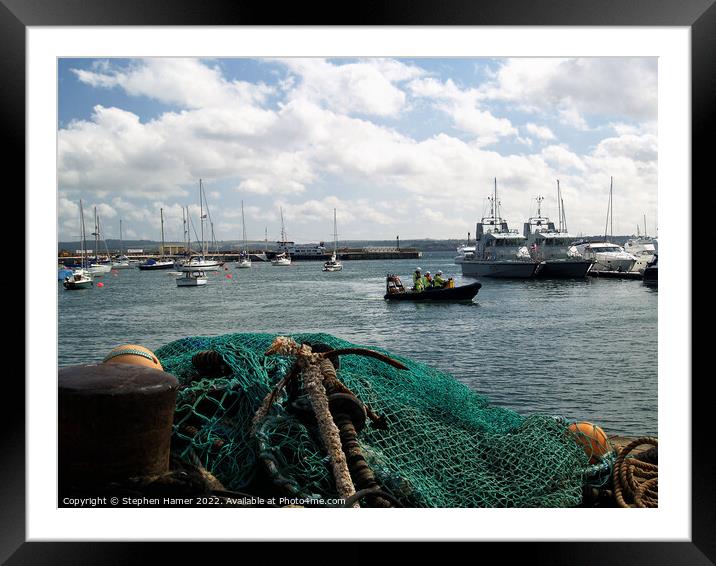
490,401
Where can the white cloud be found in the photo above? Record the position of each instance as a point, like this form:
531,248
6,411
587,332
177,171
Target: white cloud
463,106
573,89
366,87
540,132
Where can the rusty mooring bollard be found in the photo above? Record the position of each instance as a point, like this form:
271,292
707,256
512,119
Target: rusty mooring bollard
115,423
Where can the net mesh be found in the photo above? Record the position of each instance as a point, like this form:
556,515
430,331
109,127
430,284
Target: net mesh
445,444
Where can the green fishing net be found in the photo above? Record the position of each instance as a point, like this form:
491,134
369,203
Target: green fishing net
445,444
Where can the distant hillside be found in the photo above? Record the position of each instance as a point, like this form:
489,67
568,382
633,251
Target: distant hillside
425,245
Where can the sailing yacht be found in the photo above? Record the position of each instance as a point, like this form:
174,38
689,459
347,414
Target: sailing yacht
282,259
244,261
499,251
99,267
606,255
80,278
201,262
121,261
161,263
553,246
333,264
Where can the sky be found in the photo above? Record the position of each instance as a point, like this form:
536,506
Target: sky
399,147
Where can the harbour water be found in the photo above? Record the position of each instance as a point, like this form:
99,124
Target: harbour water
584,349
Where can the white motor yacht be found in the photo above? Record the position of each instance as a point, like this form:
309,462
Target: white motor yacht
606,255
643,249
80,279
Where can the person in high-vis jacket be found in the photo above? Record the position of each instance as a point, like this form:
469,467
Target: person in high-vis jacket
438,281
418,279
428,280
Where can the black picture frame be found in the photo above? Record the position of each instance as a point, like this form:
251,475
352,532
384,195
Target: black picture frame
17,15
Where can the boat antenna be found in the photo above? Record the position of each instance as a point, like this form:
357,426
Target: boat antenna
539,200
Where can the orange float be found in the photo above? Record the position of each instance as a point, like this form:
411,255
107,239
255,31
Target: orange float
133,354
592,438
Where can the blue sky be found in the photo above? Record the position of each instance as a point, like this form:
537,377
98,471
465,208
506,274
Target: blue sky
397,146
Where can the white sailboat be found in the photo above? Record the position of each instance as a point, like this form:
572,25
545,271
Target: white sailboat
201,262
333,264
121,261
282,259
80,278
99,267
161,263
244,261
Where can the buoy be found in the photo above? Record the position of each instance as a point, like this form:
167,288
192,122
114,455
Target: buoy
228,275
100,284
592,438
133,354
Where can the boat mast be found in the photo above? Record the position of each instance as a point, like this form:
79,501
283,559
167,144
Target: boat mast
201,216
609,207
84,238
564,216
96,236
243,225
283,231
335,233
161,216
645,232
559,206
121,243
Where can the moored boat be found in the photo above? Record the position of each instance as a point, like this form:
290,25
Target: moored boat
551,246
499,251
194,278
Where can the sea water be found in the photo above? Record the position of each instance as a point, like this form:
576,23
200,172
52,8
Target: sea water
584,349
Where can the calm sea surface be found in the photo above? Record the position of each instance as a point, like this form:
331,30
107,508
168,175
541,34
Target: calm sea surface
583,349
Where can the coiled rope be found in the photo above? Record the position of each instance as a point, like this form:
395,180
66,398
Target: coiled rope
636,483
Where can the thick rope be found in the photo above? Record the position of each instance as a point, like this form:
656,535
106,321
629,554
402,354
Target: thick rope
636,483
312,379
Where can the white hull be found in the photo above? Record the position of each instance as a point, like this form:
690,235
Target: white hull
192,278
80,279
243,264
609,262
181,282
281,262
502,269
121,265
207,265
99,269
338,267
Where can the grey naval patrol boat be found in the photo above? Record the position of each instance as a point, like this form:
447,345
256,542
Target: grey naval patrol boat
553,247
499,251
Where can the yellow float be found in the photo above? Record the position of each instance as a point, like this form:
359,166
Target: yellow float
133,354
